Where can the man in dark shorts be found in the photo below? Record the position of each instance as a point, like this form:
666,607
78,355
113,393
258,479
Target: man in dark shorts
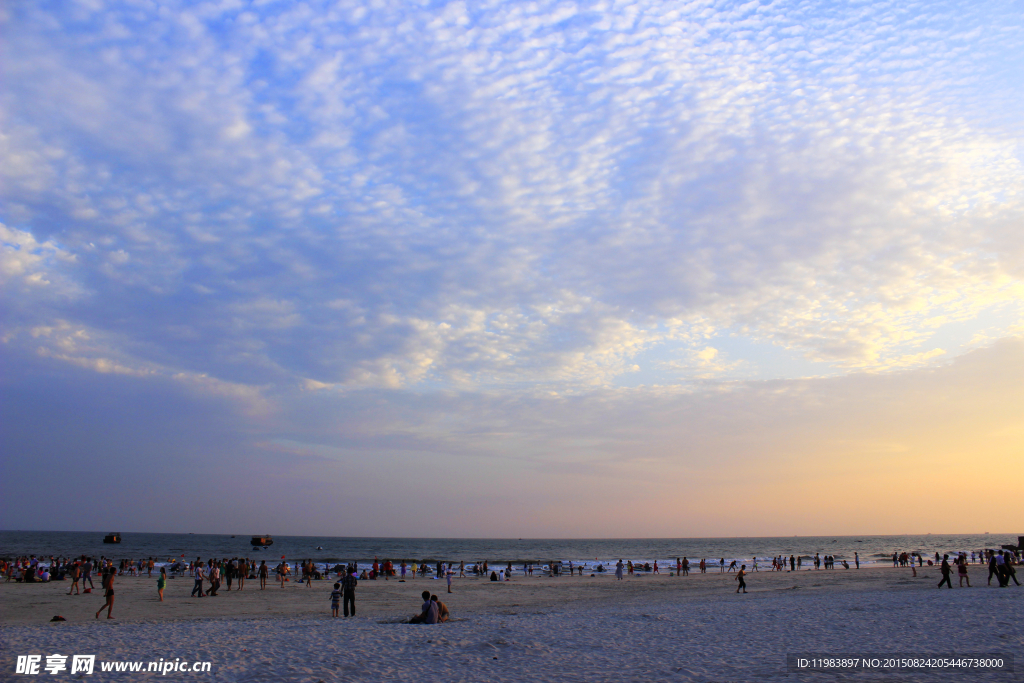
739,577
348,591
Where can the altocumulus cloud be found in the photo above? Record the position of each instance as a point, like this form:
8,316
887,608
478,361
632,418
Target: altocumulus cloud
499,194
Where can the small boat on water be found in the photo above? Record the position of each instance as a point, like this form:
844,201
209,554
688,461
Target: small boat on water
262,541
112,538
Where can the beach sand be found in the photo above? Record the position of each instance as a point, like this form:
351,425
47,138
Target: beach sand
650,628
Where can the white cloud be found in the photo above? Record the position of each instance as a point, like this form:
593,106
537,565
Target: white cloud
508,195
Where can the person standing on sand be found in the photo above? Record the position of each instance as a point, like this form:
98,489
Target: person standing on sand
946,570
448,577
263,573
739,577
792,563
161,583
618,570
856,560
335,599
107,583
87,573
348,592
721,566
214,574
74,579
961,570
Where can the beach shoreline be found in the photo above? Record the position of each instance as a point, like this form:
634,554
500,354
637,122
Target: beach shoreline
137,599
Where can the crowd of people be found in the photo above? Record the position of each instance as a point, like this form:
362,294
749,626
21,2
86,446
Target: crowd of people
211,575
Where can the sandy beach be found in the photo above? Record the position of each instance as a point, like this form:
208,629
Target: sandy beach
691,628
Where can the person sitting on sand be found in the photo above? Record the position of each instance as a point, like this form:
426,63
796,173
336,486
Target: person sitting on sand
443,614
428,613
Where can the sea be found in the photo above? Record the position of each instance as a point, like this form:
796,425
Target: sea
167,548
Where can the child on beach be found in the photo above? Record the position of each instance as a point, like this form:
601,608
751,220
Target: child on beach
335,599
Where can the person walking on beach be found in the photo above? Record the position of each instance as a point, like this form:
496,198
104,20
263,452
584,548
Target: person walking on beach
107,583
1001,573
448,576
161,583
263,572
739,577
348,592
1011,573
856,560
946,571
618,570
197,574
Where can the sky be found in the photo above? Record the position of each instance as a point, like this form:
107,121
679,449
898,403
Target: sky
511,269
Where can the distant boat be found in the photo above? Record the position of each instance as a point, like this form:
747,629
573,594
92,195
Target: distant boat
262,541
112,538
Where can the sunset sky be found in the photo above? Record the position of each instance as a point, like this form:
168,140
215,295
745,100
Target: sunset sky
511,269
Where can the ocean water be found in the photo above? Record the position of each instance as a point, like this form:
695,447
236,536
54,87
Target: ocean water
333,549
